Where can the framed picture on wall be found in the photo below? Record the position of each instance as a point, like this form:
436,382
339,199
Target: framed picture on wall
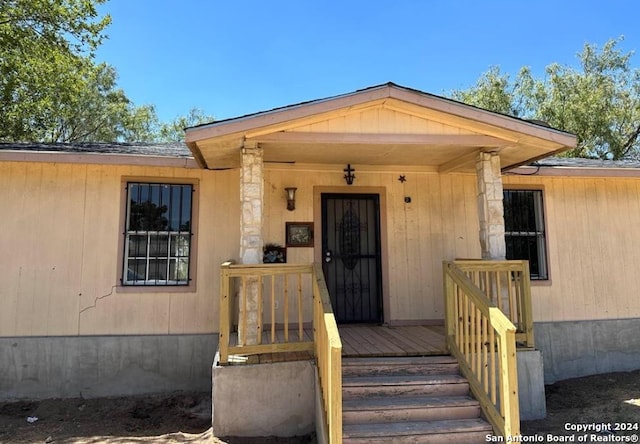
299,234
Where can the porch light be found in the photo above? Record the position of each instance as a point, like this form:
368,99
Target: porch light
291,198
349,176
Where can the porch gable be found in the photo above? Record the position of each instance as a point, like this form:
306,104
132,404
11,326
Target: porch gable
382,125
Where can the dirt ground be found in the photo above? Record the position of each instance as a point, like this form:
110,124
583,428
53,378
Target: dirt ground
185,417
170,418
611,398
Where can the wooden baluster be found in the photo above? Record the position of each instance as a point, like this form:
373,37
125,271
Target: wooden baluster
492,365
225,311
520,302
300,323
459,320
465,316
525,304
244,313
286,308
479,344
273,308
500,376
473,338
260,320
512,283
485,355
486,284
497,288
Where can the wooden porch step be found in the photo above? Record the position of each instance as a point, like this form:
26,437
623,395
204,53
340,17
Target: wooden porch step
434,432
405,385
408,400
399,366
405,408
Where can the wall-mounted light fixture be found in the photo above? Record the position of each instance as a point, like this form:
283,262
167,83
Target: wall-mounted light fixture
291,198
349,176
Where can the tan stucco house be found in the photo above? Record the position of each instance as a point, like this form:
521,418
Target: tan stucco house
111,273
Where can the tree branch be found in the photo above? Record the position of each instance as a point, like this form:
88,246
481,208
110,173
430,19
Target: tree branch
631,140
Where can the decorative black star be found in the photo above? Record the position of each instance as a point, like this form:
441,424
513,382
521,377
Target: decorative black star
402,179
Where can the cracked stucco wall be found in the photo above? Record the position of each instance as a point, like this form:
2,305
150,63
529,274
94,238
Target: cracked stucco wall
60,237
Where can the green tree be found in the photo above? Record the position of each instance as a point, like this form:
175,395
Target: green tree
496,91
173,131
99,111
50,87
599,101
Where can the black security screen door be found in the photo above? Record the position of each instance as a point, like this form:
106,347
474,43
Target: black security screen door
351,256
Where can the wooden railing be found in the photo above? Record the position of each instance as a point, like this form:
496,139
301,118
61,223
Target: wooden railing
328,351
300,289
482,338
508,287
269,296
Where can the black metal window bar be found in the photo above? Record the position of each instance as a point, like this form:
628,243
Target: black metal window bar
158,234
524,230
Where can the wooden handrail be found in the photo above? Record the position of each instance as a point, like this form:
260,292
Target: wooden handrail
326,344
478,335
328,351
270,285
225,312
507,285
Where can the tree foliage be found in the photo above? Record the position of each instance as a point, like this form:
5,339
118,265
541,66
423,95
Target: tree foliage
45,50
496,91
174,131
599,101
99,111
51,88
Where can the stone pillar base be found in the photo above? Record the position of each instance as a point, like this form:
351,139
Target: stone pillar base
252,198
490,207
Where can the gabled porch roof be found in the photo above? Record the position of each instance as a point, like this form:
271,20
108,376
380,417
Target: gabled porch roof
382,125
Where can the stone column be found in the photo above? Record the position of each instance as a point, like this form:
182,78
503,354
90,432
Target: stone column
490,206
251,199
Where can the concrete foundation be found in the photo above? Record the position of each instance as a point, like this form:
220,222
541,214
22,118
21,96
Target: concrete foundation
322,434
531,385
581,348
94,366
264,399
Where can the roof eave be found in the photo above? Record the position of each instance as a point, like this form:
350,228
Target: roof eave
197,155
97,158
277,116
281,115
470,112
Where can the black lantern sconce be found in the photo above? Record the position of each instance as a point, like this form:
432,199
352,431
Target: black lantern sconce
291,198
349,176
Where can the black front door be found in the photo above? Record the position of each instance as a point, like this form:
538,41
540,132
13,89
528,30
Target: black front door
351,256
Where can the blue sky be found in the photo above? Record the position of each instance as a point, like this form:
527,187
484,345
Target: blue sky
236,57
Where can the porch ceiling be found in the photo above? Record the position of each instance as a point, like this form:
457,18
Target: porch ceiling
384,125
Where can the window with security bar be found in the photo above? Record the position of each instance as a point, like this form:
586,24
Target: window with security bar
525,230
157,234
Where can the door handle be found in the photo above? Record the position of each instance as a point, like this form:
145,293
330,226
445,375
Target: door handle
327,256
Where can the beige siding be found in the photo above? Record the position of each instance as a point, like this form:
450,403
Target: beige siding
440,223
593,247
380,120
592,226
60,241
62,227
